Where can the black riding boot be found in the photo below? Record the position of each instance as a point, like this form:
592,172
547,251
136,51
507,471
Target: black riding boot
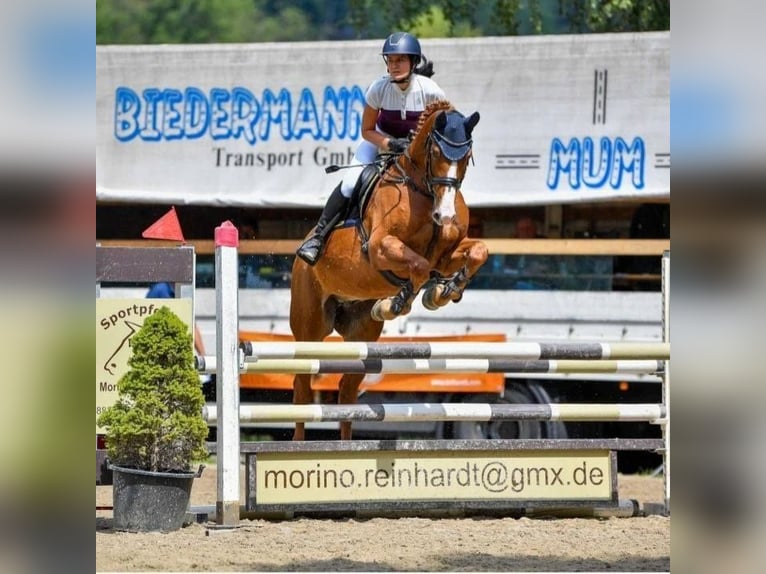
311,249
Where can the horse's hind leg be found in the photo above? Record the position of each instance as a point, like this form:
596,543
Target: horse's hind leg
354,323
301,396
309,321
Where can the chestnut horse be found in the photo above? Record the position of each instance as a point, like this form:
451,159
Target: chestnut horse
412,236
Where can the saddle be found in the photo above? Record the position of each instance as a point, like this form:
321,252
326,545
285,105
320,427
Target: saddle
363,189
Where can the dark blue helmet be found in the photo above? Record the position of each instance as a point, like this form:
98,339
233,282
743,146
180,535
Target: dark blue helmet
403,43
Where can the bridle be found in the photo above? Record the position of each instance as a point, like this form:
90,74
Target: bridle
431,180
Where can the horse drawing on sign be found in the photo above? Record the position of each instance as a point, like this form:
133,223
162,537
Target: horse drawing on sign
411,236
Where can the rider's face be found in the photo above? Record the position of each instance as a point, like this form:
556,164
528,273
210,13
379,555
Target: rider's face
398,66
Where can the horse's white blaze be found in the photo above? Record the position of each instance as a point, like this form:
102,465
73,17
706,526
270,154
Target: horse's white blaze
445,208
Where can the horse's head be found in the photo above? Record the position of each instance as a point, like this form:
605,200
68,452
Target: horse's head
443,155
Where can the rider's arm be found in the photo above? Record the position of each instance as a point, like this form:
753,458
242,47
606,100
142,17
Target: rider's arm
369,118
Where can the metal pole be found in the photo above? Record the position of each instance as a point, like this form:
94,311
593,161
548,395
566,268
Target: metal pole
227,373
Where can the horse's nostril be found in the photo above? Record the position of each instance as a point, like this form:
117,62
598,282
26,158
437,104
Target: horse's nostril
437,219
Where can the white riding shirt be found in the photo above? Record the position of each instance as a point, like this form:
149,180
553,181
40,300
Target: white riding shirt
399,110
398,113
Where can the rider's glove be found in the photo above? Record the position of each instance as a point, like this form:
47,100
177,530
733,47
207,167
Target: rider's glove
398,145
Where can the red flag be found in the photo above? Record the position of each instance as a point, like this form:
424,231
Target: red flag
166,227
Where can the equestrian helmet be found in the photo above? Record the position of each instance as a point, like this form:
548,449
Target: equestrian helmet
403,43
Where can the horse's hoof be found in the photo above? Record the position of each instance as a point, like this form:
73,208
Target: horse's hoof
383,310
430,296
377,312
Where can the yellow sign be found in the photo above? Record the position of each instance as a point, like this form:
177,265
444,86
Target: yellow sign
342,477
117,320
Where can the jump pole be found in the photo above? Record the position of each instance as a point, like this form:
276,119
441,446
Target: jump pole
411,412
256,351
425,366
227,372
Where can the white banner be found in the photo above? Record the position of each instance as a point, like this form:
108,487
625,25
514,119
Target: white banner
563,118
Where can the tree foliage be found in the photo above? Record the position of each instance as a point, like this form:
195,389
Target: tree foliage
198,22
202,21
616,15
156,423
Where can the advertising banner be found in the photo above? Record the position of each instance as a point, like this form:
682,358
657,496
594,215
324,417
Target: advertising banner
117,320
563,118
296,478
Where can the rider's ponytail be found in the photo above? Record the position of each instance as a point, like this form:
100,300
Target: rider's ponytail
425,67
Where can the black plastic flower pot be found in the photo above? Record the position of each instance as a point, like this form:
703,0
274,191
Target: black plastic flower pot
150,501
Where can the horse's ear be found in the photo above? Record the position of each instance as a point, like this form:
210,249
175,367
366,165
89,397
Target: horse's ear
441,121
471,121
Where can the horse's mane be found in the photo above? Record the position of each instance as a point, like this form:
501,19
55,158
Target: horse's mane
430,110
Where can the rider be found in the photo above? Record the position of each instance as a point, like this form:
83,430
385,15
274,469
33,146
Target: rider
393,104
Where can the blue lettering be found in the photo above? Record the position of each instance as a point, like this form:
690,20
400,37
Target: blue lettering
306,119
629,159
219,127
566,159
245,112
581,162
276,110
127,106
171,120
172,114
355,110
595,171
196,113
342,113
334,113
150,130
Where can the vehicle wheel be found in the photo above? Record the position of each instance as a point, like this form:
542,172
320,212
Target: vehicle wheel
513,394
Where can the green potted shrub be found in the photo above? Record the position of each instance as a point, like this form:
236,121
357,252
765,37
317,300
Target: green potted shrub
155,430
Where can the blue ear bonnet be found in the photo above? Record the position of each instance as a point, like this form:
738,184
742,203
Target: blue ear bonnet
452,134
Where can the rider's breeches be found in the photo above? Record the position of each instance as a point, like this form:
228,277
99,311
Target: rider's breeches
365,154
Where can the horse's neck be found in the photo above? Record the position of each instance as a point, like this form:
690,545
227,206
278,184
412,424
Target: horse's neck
416,169
416,175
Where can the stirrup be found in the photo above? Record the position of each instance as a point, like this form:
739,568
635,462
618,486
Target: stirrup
310,250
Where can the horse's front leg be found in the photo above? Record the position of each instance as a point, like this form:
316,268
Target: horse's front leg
391,254
459,267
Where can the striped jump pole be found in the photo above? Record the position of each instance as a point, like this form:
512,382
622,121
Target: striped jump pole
256,351
411,412
424,366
